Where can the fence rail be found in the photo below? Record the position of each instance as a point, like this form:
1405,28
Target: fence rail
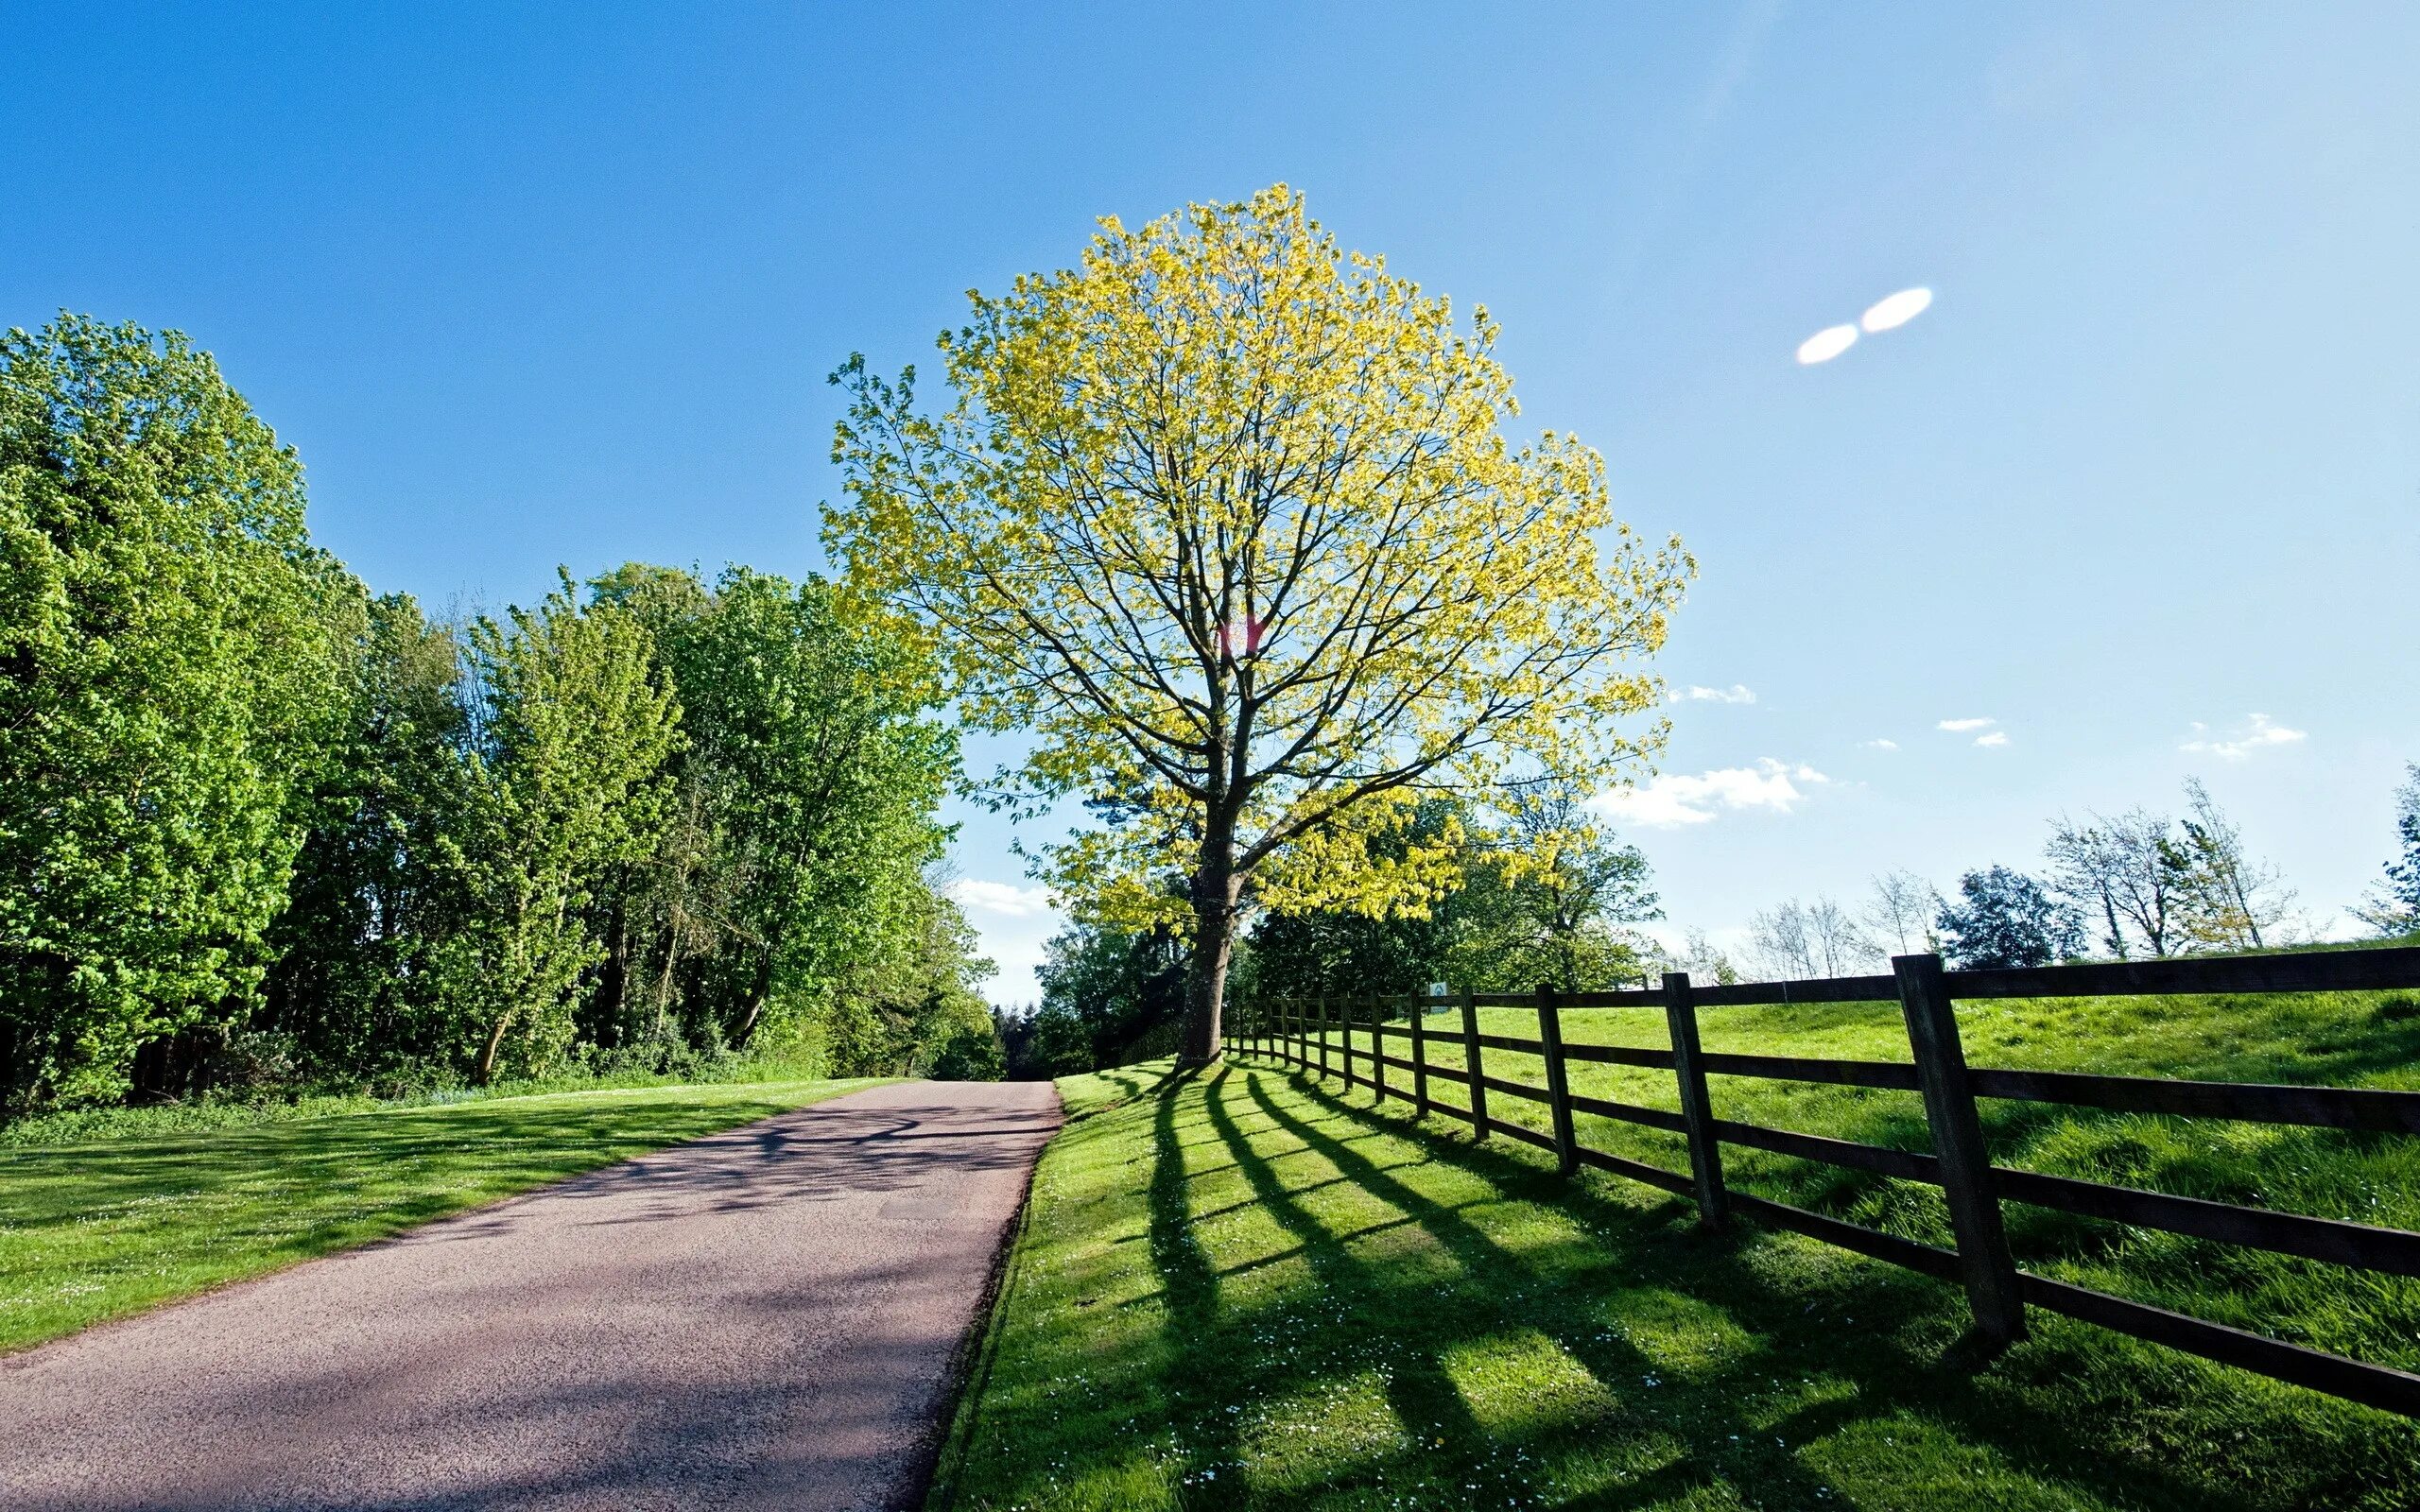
1301,1036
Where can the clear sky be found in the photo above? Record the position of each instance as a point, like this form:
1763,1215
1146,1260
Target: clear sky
2141,489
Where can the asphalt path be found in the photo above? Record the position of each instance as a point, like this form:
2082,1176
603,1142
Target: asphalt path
764,1318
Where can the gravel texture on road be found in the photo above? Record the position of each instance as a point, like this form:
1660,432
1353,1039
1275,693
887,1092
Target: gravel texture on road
764,1318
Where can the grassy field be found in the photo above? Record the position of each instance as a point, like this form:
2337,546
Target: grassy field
1244,1290
95,1229
2365,1039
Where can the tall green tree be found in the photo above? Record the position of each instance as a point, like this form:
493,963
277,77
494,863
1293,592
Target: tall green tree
812,729
172,653
377,905
570,732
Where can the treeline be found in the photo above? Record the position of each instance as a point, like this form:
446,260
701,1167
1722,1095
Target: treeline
2137,884
1542,897
2141,884
258,825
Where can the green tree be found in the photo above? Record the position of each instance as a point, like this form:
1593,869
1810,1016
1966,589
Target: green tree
2393,907
1227,520
1103,986
915,1009
816,758
172,649
375,905
570,730
1549,901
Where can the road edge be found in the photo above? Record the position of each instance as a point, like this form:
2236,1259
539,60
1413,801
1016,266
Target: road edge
970,1369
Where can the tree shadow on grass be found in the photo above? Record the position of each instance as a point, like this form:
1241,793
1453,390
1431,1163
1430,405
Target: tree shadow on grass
1717,1427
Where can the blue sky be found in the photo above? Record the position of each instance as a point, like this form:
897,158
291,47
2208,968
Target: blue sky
2142,487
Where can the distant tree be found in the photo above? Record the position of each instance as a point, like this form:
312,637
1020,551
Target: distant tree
1839,946
2007,919
1226,523
2224,900
1783,945
2087,863
1800,939
1702,960
2125,870
1549,900
2393,907
1898,914
173,655
1102,985
917,1011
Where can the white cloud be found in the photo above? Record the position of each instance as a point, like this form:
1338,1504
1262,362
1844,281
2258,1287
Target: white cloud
1962,726
1996,737
1001,897
1897,310
1826,344
1737,692
1670,799
2261,731
1880,744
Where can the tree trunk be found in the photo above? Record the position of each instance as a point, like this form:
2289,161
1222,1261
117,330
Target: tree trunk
757,995
613,983
1215,891
496,1042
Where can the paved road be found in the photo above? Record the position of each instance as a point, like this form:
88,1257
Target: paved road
759,1319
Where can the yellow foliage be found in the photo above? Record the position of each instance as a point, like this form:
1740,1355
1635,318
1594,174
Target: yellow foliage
1226,520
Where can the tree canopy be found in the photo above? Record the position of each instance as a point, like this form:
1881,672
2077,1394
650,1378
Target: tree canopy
1225,518
258,825
2006,919
171,659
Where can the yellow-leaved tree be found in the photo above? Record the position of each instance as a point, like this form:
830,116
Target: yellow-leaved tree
1225,520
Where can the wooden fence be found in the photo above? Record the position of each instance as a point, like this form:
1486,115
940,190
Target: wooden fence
1319,1038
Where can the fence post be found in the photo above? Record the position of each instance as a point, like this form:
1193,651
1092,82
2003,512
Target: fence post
1697,1109
1566,1144
1344,1040
1324,1037
1983,1258
1470,1063
1378,1046
1420,1058
1294,1057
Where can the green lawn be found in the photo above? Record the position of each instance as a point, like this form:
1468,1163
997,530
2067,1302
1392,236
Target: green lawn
2366,1039
97,1230
1244,1290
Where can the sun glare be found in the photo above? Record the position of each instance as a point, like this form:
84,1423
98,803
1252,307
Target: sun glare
1826,344
1897,310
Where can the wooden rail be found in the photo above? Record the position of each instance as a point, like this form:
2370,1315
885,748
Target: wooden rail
1959,1162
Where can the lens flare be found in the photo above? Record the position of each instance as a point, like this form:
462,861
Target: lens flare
1826,344
1897,310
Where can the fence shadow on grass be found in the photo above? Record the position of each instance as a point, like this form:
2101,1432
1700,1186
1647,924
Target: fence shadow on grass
1737,1422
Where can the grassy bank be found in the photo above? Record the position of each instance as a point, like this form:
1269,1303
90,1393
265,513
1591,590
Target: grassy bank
2363,1040
95,1229
1242,1290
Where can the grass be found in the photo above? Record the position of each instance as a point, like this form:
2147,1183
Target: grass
1245,1290
96,1230
2366,1040
216,1110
